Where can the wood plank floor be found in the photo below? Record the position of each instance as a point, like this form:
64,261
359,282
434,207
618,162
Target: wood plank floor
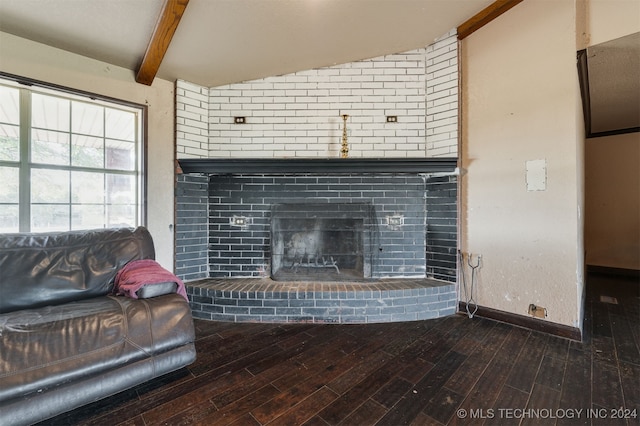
449,371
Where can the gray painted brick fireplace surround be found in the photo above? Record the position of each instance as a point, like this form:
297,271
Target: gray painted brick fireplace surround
223,236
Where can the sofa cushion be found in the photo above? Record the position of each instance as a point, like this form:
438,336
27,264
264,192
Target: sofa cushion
52,268
57,344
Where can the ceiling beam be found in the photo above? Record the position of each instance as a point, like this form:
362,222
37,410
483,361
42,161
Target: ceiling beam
166,26
485,16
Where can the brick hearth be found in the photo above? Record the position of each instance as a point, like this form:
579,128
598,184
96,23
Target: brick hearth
265,300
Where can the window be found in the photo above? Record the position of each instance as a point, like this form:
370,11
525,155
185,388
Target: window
67,162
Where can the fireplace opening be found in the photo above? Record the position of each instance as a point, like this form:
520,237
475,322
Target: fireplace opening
320,242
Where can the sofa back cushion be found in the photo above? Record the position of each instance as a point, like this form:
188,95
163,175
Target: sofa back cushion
52,268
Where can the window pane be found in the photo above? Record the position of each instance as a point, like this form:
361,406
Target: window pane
9,188
9,142
9,218
87,187
87,119
49,217
118,216
120,125
87,216
9,109
49,186
121,189
82,169
49,147
48,112
121,155
87,151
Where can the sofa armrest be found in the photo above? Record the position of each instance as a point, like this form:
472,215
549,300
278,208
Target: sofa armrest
157,289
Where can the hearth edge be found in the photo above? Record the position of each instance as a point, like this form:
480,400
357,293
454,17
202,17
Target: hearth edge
268,301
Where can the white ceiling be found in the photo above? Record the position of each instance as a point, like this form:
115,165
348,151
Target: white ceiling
227,41
116,31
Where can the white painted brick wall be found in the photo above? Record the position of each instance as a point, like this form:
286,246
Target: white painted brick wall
442,96
299,114
192,120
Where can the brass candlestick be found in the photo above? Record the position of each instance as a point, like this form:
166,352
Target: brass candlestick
344,152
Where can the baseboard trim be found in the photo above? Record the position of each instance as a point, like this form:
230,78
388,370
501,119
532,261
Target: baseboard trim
608,270
525,322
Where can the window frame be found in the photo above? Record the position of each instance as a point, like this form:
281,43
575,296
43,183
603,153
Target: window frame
25,165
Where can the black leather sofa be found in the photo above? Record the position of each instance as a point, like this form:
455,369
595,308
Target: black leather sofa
65,340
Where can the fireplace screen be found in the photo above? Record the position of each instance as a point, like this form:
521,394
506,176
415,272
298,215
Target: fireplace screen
319,242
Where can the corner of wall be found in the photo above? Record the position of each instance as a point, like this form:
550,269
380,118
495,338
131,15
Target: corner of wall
192,117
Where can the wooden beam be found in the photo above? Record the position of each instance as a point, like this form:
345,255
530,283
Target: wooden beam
163,33
485,16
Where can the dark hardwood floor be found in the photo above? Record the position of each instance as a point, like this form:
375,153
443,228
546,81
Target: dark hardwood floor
449,371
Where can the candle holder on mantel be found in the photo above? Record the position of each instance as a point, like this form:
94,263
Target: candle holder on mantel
344,152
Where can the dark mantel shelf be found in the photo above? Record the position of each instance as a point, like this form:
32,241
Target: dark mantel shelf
317,165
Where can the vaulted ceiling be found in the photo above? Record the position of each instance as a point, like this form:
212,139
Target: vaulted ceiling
225,41
218,42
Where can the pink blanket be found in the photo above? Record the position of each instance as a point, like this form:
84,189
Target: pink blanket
138,273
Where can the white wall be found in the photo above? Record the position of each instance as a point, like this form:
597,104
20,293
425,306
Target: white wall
521,103
40,62
612,232
192,120
611,19
299,114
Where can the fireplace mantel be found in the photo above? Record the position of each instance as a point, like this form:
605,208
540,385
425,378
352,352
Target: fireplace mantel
224,166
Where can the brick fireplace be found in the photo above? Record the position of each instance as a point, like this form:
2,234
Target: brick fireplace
401,260
370,229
